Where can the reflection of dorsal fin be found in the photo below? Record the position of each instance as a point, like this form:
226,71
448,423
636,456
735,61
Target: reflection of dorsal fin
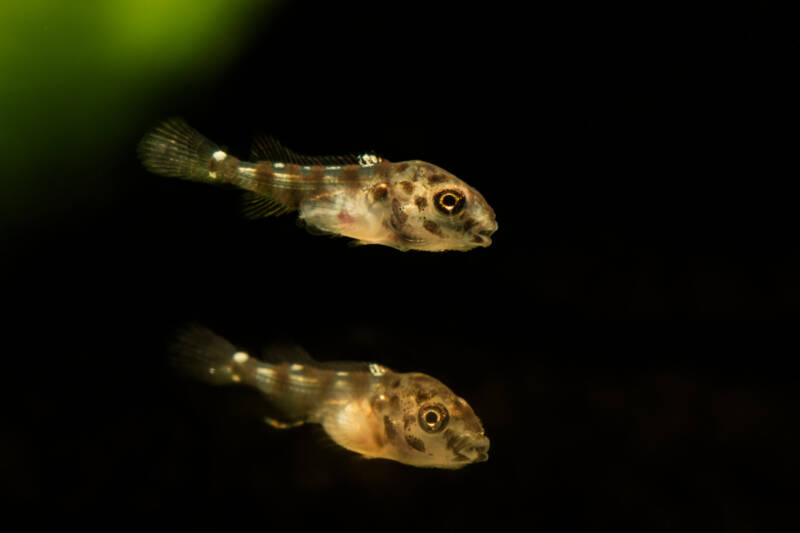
268,148
286,352
256,205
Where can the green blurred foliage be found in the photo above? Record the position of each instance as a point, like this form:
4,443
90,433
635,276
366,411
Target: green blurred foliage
75,77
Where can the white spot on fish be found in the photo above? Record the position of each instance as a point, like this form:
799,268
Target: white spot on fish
240,357
265,371
341,373
219,155
278,165
376,370
236,378
368,160
212,175
303,380
296,367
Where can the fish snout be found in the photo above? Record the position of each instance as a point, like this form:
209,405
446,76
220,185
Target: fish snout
478,449
481,235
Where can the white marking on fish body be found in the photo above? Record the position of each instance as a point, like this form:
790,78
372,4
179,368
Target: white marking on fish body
240,357
296,367
247,170
342,373
376,370
368,160
303,379
219,155
265,371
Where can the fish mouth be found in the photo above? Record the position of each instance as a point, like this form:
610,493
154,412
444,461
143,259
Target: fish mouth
480,450
483,237
480,454
470,448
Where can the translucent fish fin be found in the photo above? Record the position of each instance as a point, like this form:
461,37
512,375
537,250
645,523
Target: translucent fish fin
355,244
286,352
177,150
256,205
277,424
268,148
312,229
202,354
346,366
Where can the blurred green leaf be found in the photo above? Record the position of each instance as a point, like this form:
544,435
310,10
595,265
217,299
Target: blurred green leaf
74,76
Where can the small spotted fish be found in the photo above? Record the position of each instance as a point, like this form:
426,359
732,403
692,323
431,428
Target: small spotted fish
364,407
411,205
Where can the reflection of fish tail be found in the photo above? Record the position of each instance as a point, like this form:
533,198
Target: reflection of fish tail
177,150
204,355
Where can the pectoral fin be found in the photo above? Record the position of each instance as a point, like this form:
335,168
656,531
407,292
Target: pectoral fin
277,424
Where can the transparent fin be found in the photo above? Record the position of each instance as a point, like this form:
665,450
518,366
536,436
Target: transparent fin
287,352
277,424
312,229
256,205
202,354
175,149
268,148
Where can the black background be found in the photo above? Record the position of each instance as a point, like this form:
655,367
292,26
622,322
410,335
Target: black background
627,340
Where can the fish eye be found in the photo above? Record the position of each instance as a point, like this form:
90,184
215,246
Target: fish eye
449,201
433,417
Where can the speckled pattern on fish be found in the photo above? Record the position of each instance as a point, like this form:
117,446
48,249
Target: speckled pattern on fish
412,418
410,205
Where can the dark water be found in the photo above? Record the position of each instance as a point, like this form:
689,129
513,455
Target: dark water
628,339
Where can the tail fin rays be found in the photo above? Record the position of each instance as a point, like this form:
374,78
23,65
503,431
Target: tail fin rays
204,355
177,150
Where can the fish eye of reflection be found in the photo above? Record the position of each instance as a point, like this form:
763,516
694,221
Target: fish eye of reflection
411,417
433,418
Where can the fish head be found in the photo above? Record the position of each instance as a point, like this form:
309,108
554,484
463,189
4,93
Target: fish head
434,210
425,424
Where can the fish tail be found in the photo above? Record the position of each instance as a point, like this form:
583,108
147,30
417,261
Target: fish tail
202,354
177,150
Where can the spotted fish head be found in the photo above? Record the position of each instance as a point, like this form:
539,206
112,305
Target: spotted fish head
425,424
434,210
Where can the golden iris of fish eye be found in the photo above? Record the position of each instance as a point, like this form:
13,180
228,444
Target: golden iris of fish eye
441,418
449,201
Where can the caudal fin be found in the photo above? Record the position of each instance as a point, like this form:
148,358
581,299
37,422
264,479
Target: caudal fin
177,150
202,354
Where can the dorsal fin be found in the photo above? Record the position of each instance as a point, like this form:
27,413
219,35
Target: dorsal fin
256,205
268,148
289,352
286,352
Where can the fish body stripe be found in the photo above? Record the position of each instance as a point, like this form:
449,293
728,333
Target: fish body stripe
306,390
290,183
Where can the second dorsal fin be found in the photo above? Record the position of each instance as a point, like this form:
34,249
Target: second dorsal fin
286,352
270,149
